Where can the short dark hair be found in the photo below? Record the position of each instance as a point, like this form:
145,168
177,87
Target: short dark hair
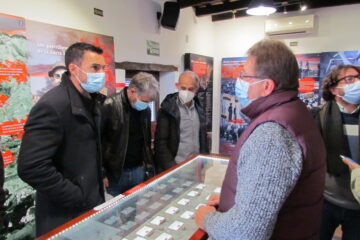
331,80
276,61
76,51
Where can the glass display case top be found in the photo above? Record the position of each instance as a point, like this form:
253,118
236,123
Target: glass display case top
163,209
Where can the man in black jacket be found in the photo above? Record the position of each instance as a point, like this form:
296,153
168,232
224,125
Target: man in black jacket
60,152
338,120
180,131
127,136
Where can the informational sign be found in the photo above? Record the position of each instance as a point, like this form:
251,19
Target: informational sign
329,60
309,80
46,54
232,121
153,48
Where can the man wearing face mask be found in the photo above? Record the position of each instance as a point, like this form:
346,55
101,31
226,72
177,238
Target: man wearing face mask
338,120
180,131
127,137
275,178
60,152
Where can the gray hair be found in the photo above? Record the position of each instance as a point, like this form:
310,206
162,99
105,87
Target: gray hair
276,61
193,75
145,85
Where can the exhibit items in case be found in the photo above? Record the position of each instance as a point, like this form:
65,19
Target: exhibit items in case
162,209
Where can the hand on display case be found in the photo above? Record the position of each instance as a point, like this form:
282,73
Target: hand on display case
213,200
201,213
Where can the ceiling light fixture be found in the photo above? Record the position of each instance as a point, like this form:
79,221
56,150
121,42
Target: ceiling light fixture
303,7
261,7
284,4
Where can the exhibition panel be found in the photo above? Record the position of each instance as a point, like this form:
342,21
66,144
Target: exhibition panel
161,208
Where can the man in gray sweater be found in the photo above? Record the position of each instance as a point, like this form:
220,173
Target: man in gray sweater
275,179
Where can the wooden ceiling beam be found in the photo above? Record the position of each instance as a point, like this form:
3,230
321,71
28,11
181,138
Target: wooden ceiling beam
194,3
227,6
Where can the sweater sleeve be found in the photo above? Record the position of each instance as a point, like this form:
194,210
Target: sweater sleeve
355,183
268,168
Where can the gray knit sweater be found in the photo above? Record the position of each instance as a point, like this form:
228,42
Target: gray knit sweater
268,168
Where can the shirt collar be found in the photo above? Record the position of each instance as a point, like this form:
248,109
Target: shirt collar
184,105
343,110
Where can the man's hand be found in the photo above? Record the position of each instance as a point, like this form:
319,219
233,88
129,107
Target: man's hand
201,213
213,200
105,183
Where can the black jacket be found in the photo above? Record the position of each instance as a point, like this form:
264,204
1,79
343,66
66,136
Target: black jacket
60,156
167,135
116,112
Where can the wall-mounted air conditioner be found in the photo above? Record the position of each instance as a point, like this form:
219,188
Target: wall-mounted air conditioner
289,25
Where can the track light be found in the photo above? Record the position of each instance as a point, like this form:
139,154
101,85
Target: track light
261,7
303,7
285,11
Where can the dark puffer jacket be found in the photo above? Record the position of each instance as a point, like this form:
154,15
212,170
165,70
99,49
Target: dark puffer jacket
167,135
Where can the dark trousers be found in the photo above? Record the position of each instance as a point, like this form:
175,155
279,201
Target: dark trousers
130,177
333,216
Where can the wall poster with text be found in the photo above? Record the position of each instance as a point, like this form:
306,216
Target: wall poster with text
232,121
309,80
31,63
203,67
329,60
46,55
15,104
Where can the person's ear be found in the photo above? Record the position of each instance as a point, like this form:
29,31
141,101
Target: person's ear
177,86
132,91
72,68
335,91
269,87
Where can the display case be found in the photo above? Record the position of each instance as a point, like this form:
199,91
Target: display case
161,208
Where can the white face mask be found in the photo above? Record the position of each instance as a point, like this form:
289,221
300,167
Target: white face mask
186,96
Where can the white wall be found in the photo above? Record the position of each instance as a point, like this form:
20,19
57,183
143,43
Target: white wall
132,22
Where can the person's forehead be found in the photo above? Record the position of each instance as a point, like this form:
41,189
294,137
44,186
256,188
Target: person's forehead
144,98
59,71
187,80
250,64
93,58
348,71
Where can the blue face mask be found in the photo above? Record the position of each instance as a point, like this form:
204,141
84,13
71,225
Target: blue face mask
241,92
352,93
95,82
139,105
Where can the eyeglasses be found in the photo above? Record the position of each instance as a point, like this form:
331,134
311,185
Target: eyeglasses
242,76
350,78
